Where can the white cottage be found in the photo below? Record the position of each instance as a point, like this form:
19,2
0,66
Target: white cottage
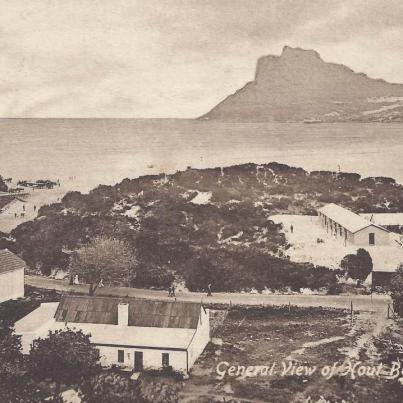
12,270
129,332
350,227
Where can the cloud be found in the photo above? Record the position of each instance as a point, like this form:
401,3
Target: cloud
176,58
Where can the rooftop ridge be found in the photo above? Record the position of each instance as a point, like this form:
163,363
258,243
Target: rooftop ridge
347,218
117,297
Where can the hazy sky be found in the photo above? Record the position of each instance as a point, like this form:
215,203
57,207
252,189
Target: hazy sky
174,58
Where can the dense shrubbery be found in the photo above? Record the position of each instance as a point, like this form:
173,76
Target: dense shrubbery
154,276
109,387
170,234
240,270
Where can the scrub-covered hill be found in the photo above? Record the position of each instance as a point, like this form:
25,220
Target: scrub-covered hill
207,225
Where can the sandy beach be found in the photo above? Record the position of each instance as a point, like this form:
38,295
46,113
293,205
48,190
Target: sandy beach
25,208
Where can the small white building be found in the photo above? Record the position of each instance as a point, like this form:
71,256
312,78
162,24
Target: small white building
129,332
350,227
12,270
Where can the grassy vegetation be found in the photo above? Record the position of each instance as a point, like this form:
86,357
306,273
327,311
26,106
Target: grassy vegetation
203,243
256,336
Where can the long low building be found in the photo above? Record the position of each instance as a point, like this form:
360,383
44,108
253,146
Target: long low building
385,219
350,227
129,332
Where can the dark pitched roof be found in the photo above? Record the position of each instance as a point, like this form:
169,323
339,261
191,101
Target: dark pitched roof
10,262
142,312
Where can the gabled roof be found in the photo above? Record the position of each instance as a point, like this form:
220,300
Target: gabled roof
10,262
142,312
346,218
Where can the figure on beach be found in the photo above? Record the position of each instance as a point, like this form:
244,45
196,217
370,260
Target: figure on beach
209,290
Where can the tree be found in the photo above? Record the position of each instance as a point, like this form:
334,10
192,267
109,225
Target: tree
109,388
15,385
65,356
106,259
396,287
3,186
357,266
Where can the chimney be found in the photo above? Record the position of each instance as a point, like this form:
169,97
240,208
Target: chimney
123,314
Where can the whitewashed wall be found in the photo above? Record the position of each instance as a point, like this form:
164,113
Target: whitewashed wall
152,359
201,338
361,238
11,285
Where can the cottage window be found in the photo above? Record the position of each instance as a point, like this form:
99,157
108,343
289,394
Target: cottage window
165,360
121,356
371,238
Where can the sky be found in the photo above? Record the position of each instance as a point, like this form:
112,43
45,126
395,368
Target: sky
175,58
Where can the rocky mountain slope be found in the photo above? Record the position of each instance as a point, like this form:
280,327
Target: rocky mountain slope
298,86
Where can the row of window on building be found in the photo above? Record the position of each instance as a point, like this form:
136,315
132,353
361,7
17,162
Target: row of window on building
138,359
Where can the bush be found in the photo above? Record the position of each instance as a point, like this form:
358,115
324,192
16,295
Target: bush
397,290
147,276
109,387
357,266
335,289
65,356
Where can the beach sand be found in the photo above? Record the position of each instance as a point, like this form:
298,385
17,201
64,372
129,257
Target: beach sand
37,197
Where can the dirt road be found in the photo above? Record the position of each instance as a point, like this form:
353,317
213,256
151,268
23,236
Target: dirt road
360,302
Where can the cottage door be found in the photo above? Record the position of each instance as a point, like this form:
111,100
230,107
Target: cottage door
138,361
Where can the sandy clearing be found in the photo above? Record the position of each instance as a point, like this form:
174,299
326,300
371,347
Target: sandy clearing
330,252
34,198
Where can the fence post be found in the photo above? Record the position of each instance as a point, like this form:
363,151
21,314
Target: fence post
388,316
351,312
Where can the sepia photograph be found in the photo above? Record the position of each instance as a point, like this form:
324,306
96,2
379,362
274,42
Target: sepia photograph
201,201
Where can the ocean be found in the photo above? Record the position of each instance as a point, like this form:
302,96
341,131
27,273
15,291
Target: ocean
83,153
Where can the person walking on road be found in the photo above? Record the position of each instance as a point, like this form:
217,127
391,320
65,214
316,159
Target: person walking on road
292,229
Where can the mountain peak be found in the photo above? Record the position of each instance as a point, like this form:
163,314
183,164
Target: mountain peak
299,86
289,52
